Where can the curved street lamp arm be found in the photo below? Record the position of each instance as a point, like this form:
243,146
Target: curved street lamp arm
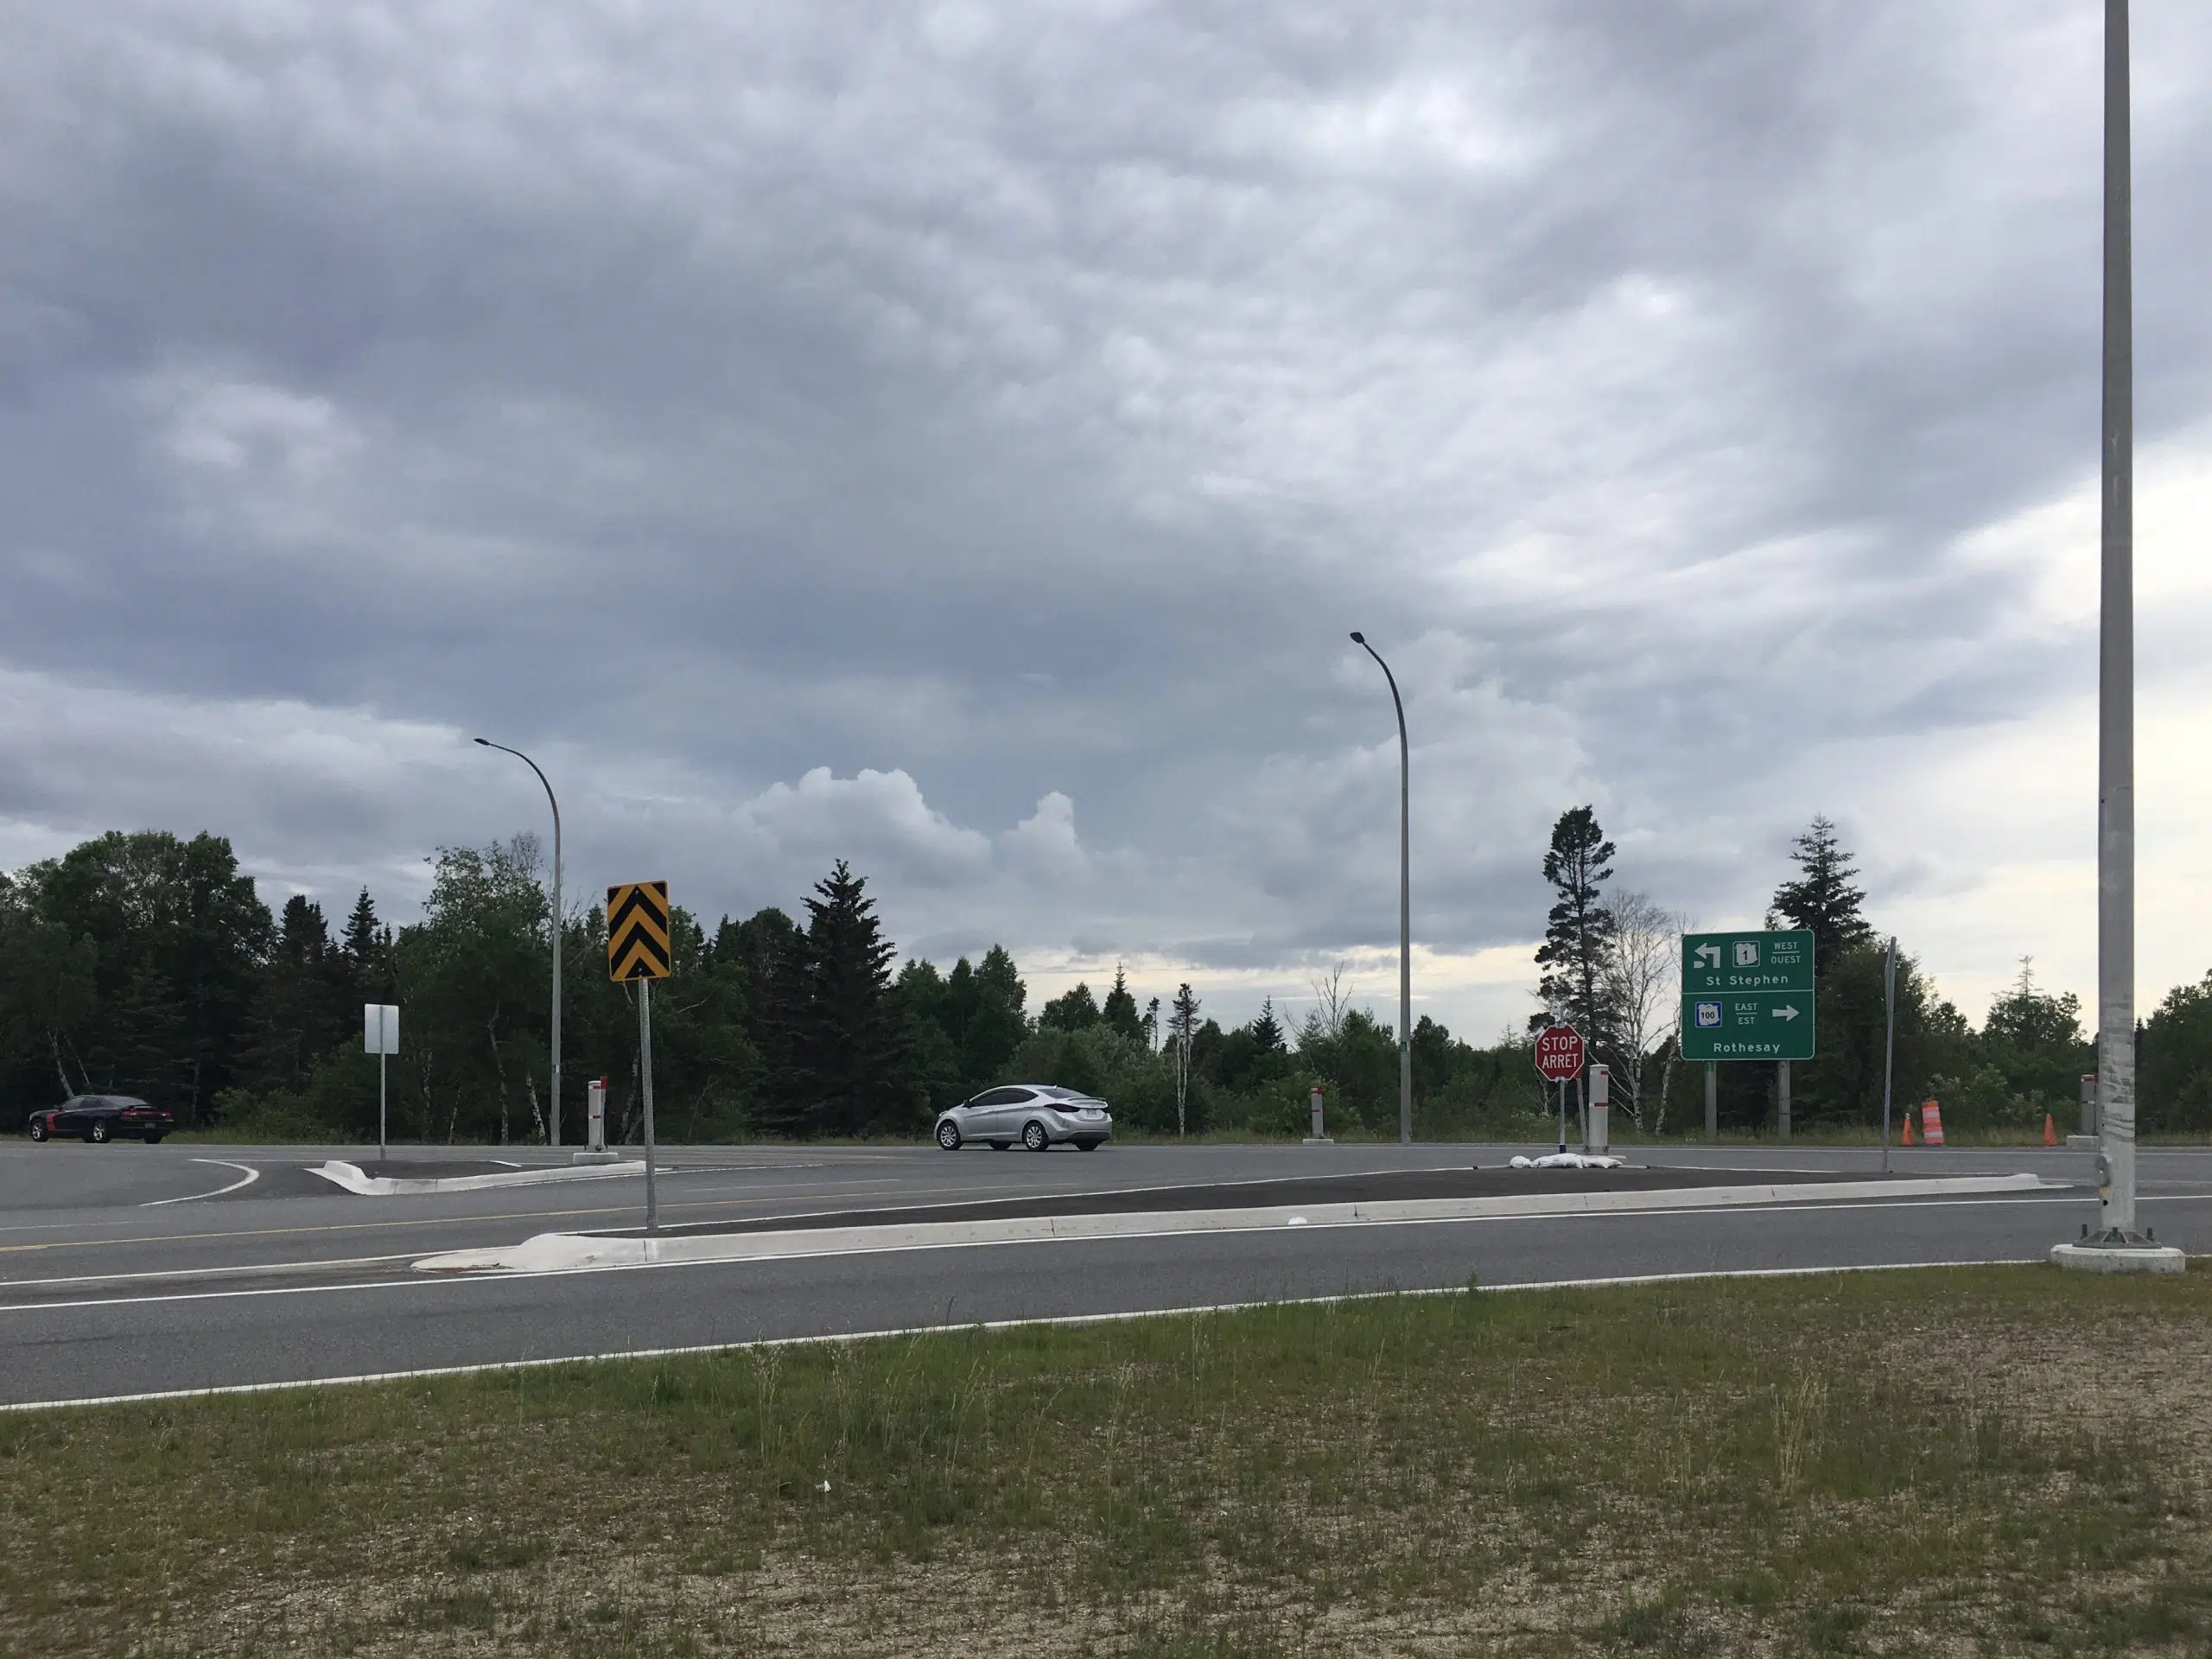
553,931
1405,902
551,799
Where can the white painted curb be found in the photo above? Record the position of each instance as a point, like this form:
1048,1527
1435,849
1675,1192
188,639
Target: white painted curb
567,1252
354,1179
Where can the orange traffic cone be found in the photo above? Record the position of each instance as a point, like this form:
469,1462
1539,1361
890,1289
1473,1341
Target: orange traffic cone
1904,1128
2050,1131
1931,1123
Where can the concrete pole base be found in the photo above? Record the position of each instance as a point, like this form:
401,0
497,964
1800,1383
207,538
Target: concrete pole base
2133,1255
609,1157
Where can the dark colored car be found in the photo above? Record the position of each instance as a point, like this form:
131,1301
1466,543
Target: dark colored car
102,1117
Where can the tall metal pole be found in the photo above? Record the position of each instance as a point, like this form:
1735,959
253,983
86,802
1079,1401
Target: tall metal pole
1889,1041
2116,671
553,1107
1405,906
645,1079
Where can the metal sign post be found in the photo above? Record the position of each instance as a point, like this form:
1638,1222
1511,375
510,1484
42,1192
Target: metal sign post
638,948
646,1079
380,1037
1889,1041
1559,1057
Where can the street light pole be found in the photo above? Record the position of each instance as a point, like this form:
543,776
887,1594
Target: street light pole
1405,903
2117,1247
553,1109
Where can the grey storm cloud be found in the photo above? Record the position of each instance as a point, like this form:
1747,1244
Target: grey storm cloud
958,438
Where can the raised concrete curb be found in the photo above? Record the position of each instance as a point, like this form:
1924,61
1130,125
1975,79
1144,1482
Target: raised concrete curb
569,1252
354,1179
2104,1258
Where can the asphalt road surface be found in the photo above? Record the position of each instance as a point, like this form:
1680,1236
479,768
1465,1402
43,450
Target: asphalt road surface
127,1269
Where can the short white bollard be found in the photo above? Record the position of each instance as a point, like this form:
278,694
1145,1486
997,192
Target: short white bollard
595,1150
1316,1139
1601,1108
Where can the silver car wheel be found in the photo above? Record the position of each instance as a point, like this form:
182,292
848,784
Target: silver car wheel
948,1136
1033,1136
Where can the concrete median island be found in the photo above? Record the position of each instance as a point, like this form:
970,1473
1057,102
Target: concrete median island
1398,1197
417,1178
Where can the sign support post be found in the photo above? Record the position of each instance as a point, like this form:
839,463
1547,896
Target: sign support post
1559,1057
380,1037
1712,1102
1781,1097
1889,1041
646,1079
638,949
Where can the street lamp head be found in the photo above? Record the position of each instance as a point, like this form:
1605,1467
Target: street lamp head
1357,639
486,741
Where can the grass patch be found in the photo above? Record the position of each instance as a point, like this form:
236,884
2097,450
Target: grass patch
1917,1463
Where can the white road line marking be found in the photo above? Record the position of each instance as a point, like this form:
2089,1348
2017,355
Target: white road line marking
251,1176
1074,1320
319,1266
219,1295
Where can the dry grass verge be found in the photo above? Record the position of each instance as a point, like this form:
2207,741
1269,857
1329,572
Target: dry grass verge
1922,1463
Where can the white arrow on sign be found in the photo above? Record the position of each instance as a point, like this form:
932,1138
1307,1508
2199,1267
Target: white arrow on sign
1785,1011
1705,951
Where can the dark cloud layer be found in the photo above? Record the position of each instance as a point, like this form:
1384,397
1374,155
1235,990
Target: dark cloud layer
959,438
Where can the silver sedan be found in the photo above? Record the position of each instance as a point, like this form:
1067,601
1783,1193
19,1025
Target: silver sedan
1039,1114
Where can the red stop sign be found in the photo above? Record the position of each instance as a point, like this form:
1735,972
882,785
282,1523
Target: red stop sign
1558,1053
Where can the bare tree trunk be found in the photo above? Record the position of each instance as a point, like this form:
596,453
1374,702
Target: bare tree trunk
536,1111
1666,1088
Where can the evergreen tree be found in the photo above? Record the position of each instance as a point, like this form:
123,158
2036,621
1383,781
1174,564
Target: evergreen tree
1578,932
845,1071
933,1058
301,1011
1822,897
995,1024
366,947
1266,1030
1119,1013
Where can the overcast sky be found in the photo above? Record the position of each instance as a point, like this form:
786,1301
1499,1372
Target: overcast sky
959,438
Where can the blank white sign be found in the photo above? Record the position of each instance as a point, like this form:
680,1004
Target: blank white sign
380,1027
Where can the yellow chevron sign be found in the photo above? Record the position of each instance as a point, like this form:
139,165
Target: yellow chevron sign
636,930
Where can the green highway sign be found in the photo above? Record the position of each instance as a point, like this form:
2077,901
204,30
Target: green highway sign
1747,962
1747,996
1775,1026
